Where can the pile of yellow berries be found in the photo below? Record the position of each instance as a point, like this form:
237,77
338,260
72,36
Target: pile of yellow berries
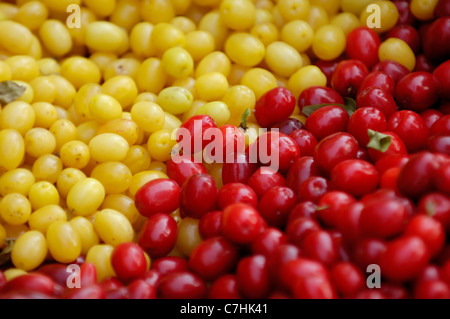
107,82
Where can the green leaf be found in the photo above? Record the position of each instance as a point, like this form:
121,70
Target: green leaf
349,107
69,215
5,255
10,91
244,118
350,104
379,141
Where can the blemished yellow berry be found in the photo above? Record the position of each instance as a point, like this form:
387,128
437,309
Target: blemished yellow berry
113,227
80,71
126,13
267,32
306,77
238,15
183,23
160,144
199,43
44,89
148,116
39,141
114,176
165,36
29,250
282,58
12,149
218,110
108,147
15,209
347,21
17,115
123,204
85,230
175,100
103,107
75,154
244,49
5,72
123,88
42,194
156,11
211,86
55,37
329,42
177,62
64,131
31,14
15,37
123,66
126,128
293,9
238,98
67,178
259,81
213,23
100,256
216,61
23,68
17,180
43,217
86,196
63,242
137,159
47,168
105,36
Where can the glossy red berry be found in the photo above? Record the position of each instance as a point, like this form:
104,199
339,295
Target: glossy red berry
182,285
209,224
181,169
241,223
362,44
276,204
326,121
404,258
236,193
158,196
264,179
159,235
213,258
274,106
362,120
128,261
198,195
319,95
305,140
348,76
169,264
356,177
253,277
225,287
383,218
334,149
416,91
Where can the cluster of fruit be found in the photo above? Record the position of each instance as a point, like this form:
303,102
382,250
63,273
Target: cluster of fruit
355,100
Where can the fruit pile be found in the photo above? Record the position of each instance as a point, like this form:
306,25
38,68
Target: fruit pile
337,113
